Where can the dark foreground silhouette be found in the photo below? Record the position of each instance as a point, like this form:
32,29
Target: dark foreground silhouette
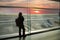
19,22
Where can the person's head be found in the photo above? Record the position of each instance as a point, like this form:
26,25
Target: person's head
20,14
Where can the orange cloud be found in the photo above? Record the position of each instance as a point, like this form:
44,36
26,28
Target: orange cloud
32,3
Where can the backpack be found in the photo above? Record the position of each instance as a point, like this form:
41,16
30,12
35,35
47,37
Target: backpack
16,22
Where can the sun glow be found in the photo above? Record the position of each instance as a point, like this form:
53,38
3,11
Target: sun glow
36,11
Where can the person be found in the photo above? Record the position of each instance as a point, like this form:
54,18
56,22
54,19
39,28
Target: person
20,23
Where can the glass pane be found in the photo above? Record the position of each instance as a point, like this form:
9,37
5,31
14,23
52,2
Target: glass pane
35,19
44,18
38,14
7,20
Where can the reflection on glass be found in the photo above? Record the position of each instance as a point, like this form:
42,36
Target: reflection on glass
34,19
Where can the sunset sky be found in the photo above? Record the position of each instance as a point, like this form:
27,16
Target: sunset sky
29,3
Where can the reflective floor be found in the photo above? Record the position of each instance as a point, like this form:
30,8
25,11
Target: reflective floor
52,35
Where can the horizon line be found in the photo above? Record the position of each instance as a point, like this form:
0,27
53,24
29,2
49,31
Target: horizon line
29,7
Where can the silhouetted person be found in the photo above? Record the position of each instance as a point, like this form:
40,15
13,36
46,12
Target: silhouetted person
19,22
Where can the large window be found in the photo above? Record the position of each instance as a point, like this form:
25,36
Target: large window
35,19
38,15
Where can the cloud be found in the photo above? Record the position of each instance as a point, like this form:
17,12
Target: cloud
6,0
18,1
31,3
56,0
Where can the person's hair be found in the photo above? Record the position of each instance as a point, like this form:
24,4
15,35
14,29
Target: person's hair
20,13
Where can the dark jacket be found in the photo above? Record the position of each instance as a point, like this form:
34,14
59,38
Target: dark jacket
19,21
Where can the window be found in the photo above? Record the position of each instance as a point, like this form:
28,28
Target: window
37,16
